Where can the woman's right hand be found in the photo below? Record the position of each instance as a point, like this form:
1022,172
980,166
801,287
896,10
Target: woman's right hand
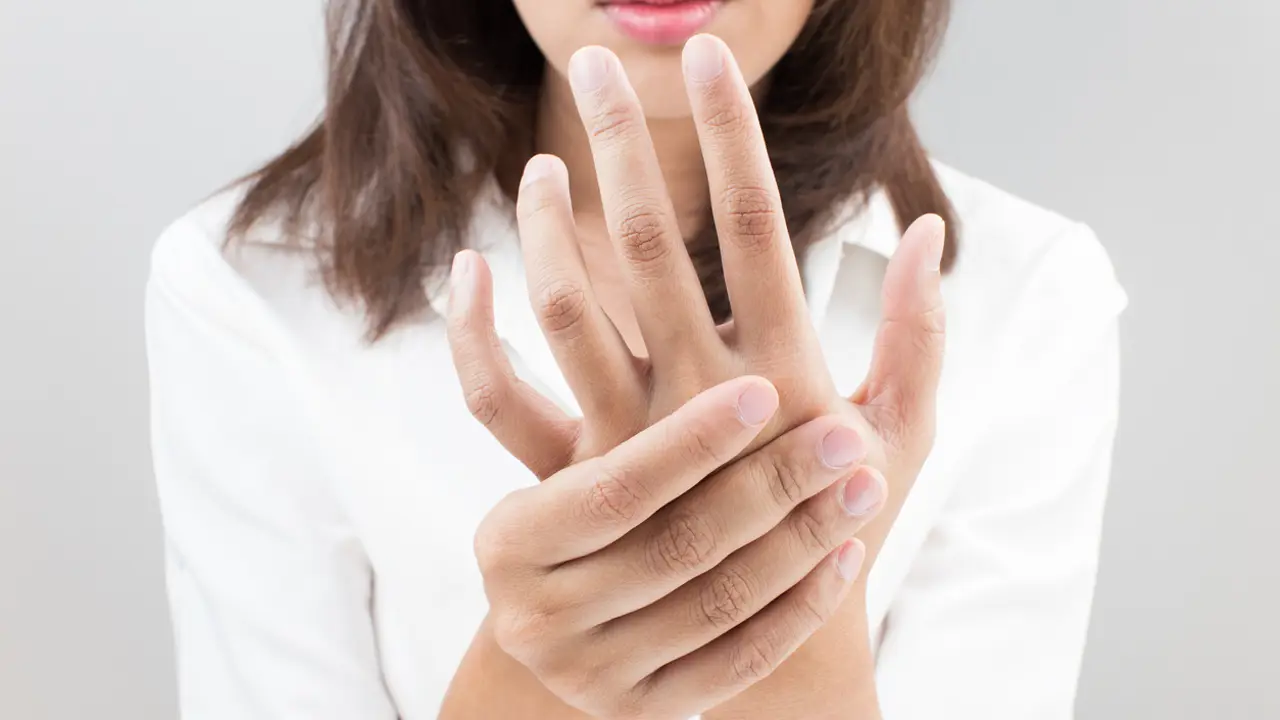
656,580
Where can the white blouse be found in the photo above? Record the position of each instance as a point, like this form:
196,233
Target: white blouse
319,494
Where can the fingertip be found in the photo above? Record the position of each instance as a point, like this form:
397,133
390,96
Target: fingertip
703,58
589,68
461,281
932,232
468,277
545,167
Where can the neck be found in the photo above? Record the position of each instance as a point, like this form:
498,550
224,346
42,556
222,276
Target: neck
675,141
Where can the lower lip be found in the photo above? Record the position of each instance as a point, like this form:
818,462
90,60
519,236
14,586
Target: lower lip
663,23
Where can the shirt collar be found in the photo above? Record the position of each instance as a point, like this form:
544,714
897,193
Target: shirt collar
870,226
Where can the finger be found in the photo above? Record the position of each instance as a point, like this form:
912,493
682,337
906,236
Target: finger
754,243
749,653
670,307
737,505
595,361
598,501
748,580
900,390
528,425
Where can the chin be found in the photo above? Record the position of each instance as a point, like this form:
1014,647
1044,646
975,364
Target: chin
658,78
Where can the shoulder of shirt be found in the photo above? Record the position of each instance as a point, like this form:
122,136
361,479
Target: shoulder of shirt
1027,258
263,285
1032,295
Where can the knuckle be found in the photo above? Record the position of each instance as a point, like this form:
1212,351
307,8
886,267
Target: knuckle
562,308
815,608
613,123
642,236
614,498
782,479
496,542
621,706
698,446
811,532
634,704
523,634
490,552
933,325
730,119
754,217
683,545
484,400
753,659
725,601
536,199
903,426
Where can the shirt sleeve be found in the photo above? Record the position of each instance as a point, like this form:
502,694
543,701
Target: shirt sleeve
269,589
990,622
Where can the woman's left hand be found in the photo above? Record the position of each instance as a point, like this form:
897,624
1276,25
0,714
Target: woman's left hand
770,334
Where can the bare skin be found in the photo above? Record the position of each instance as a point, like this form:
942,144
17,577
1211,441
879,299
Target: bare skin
583,619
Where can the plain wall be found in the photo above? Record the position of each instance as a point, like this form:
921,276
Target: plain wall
1154,121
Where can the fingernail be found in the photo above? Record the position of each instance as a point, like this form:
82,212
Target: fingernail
850,558
588,69
540,167
703,60
840,448
862,493
757,404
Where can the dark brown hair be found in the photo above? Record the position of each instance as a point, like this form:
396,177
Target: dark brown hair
427,99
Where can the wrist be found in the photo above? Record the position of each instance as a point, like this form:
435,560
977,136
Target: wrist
831,677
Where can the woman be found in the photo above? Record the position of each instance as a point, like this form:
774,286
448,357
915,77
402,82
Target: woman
727,438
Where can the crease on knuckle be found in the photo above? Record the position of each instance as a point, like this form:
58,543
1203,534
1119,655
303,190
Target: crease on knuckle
933,322
563,309
697,446
484,401
613,123
725,601
642,236
784,483
683,545
729,120
536,200
811,532
614,498
814,608
753,217
753,659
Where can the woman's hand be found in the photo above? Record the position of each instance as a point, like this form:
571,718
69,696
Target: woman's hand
770,334
663,578
891,415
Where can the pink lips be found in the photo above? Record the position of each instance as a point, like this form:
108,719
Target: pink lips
662,22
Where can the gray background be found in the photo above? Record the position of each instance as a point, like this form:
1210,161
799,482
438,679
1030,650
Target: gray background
1154,121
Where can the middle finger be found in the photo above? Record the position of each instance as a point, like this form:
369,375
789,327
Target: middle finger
754,243
667,297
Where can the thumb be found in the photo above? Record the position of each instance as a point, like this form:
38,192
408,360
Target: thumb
899,393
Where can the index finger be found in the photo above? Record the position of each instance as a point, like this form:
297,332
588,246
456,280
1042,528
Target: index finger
754,243
595,503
